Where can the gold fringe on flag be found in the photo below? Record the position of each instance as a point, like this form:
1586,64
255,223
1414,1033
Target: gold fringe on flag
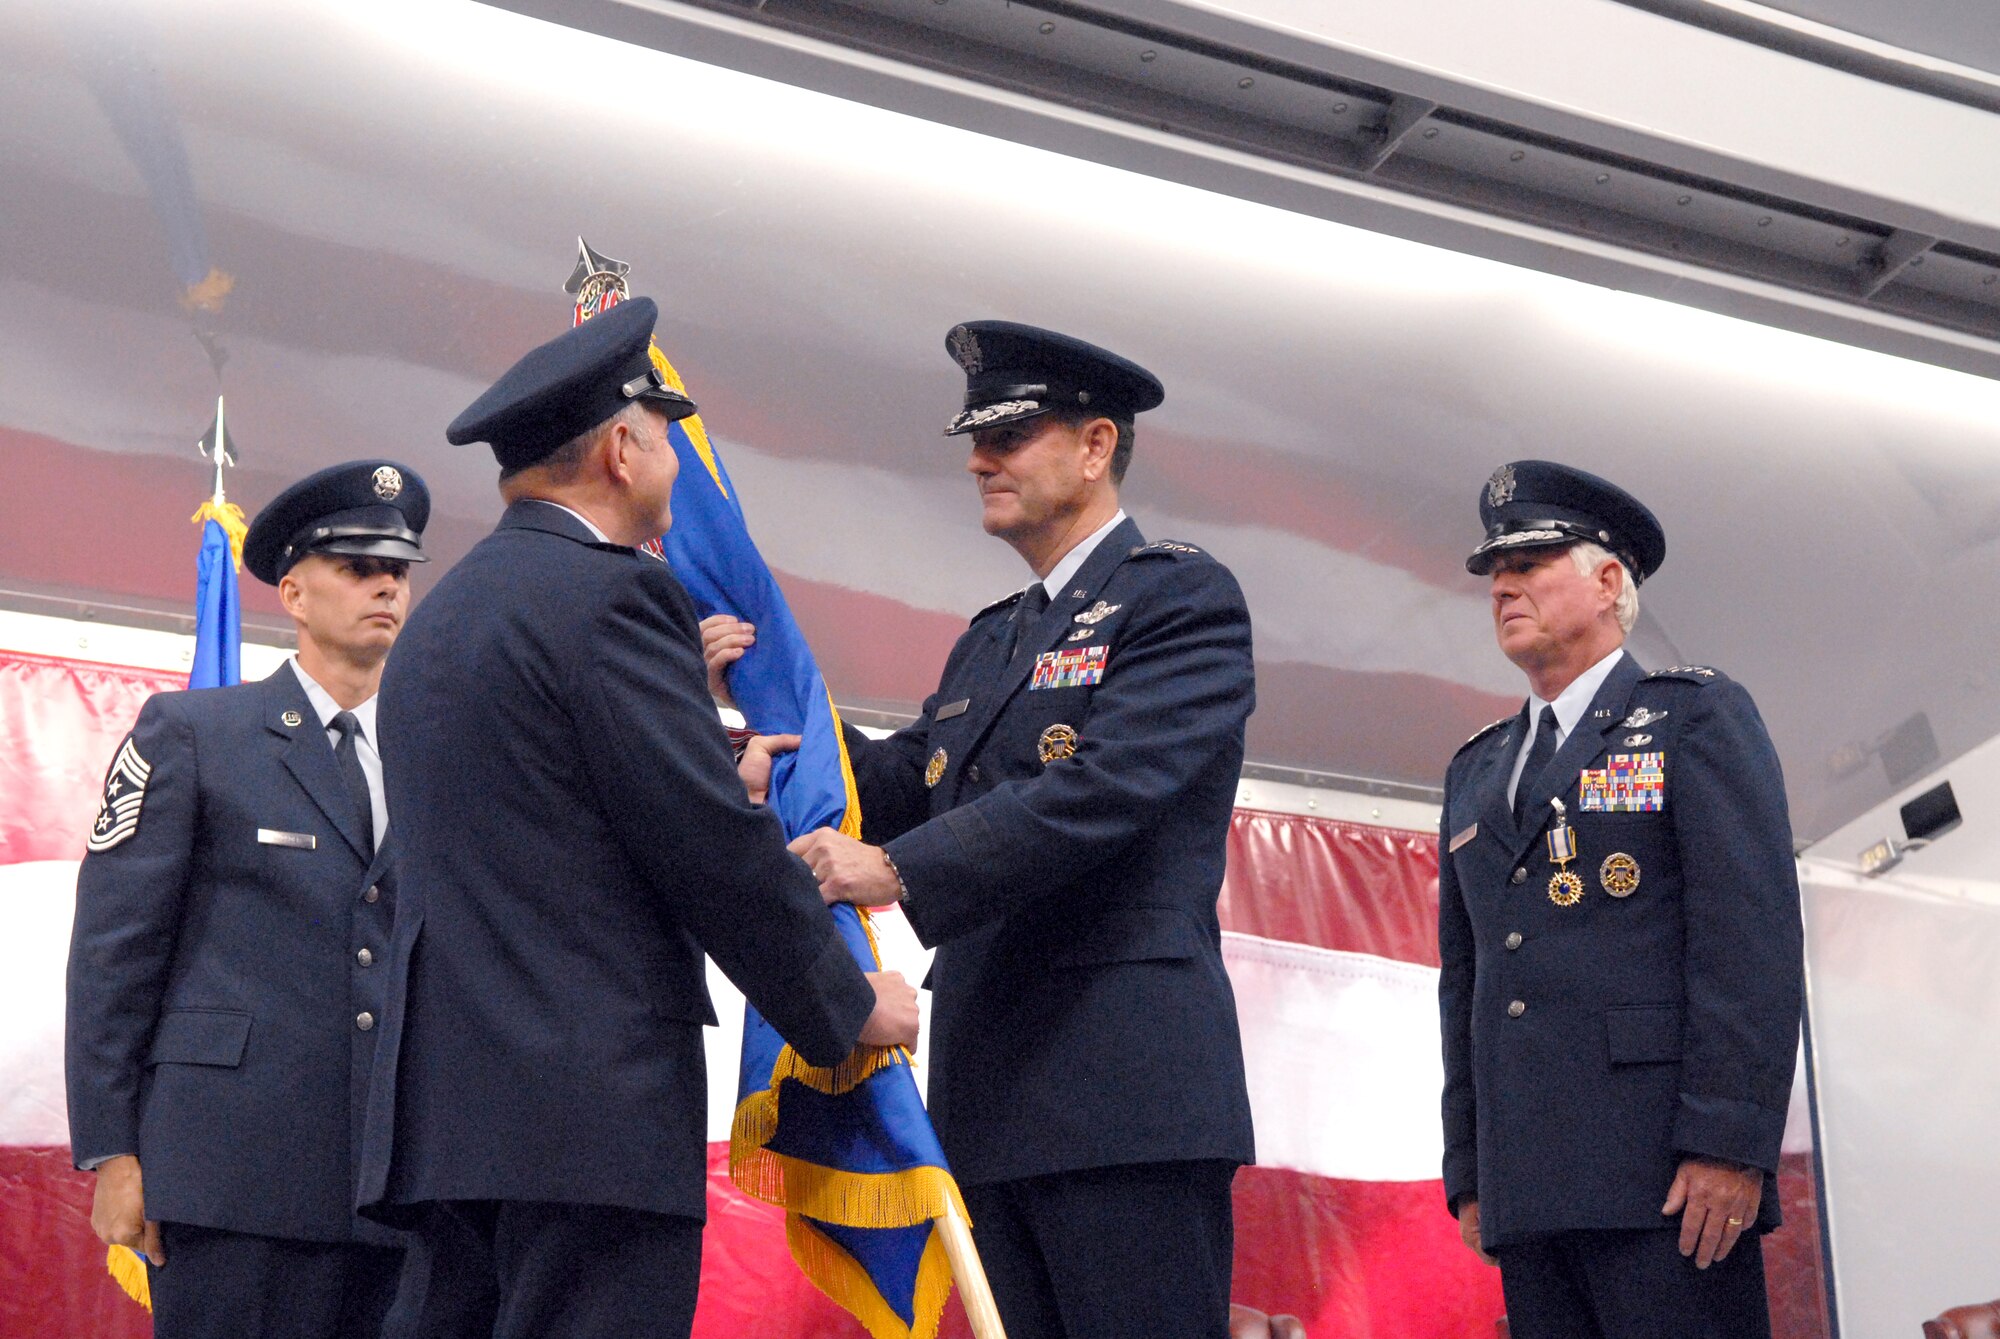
129,1271
230,517
840,1276
697,434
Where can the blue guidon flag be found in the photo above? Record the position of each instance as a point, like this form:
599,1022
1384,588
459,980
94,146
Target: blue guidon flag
847,1152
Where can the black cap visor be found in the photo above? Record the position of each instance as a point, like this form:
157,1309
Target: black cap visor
651,386
1544,534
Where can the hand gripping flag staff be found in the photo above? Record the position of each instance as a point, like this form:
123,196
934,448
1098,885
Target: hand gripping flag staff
872,1214
218,662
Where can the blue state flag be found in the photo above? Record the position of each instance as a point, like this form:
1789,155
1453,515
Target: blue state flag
218,617
848,1152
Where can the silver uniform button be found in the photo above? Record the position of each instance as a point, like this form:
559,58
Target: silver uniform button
1521,874
367,959
374,894
364,1020
1514,1010
1513,940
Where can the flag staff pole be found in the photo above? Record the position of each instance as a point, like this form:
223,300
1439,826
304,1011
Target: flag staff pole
973,1289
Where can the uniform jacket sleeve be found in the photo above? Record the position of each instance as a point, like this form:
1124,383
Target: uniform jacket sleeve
1455,979
1180,685
128,911
1744,963
664,767
889,774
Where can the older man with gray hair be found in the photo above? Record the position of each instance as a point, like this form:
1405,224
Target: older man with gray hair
1618,927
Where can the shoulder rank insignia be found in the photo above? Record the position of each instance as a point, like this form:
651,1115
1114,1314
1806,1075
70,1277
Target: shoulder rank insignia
1642,718
1697,672
1482,732
1098,612
1003,602
124,795
1164,546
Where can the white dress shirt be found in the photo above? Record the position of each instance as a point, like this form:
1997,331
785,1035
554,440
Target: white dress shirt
1072,561
364,743
1570,704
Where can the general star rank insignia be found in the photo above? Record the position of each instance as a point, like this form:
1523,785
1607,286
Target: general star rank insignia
1098,612
124,795
934,769
1057,742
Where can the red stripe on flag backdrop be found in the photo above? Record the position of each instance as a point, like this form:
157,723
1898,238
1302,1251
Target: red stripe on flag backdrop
1354,1259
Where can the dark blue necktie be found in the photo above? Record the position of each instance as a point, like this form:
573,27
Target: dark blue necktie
1027,612
1539,755
344,753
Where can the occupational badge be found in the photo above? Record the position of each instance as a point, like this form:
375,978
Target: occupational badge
1619,874
124,796
1078,667
1082,635
1500,488
1642,718
293,719
1565,888
934,769
1098,612
1636,741
388,483
1057,742
1628,783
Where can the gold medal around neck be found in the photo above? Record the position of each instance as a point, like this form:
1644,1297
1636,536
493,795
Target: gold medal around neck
934,770
1565,888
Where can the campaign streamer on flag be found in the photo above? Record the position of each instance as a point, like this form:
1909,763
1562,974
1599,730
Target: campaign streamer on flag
848,1152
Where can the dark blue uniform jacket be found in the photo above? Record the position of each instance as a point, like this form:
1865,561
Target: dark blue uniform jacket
572,835
216,972
1082,1015
1588,1049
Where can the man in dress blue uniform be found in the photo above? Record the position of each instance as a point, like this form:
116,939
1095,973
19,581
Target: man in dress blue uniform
573,834
1618,922
230,912
1054,824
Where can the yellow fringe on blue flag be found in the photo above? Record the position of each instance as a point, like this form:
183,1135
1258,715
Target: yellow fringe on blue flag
129,1271
230,517
837,1274
697,434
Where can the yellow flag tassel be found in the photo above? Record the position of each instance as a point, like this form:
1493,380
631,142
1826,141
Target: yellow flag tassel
129,1271
230,517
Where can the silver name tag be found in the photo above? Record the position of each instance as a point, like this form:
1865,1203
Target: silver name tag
951,709
303,841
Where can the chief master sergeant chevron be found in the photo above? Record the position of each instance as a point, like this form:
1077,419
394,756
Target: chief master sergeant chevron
1058,815
1618,926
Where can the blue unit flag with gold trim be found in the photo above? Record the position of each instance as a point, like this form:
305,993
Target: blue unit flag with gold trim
848,1152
